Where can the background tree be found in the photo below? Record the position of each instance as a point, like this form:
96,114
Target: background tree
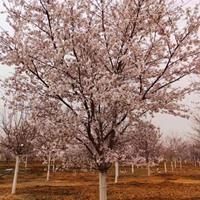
147,142
75,157
5,155
175,150
195,150
17,138
53,133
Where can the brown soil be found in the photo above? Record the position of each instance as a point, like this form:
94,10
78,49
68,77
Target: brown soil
180,185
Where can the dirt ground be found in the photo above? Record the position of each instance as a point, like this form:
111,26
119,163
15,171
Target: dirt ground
180,185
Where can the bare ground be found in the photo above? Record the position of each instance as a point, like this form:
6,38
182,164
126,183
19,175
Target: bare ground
181,185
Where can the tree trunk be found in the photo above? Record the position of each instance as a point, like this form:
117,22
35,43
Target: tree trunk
116,171
165,166
195,162
180,164
102,186
132,168
26,162
49,166
175,163
172,166
148,170
15,175
185,161
7,160
53,165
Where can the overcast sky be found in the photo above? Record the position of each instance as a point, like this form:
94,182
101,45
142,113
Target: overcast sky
168,124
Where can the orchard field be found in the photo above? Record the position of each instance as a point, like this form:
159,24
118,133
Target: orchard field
78,185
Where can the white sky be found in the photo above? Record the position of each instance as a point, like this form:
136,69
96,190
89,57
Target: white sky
168,124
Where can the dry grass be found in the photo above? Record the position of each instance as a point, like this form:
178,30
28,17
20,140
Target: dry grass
181,185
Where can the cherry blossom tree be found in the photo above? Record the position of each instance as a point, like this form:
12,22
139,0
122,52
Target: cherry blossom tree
76,157
195,148
195,153
17,138
147,141
52,133
5,154
175,148
164,155
108,62
131,157
47,147
120,154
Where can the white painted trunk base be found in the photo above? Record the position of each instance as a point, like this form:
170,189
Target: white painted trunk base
148,170
102,186
165,167
26,162
185,161
132,168
180,162
172,166
54,163
49,167
175,164
116,171
15,175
